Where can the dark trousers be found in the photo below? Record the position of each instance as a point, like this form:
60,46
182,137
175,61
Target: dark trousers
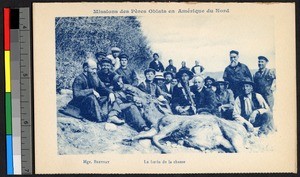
264,122
134,118
92,109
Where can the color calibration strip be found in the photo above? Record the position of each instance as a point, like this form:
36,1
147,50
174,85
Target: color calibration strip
8,104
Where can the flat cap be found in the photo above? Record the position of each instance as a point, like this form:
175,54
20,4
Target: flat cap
115,49
234,51
263,58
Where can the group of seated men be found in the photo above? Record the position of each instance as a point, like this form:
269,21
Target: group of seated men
98,91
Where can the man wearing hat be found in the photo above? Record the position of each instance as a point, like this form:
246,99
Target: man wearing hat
89,95
148,86
105,73
182,102
129,75
156,64
225,99
114,57
209,82
251,110
126,106
159,80
171,67
197,69
235,73
264,80
99,56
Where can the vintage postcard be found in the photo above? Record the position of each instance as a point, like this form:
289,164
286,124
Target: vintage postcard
164,88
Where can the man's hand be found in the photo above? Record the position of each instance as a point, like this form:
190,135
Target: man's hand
111,97
97,95
161,98
253,116
248,126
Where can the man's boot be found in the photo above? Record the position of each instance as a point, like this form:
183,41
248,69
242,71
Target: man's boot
115,120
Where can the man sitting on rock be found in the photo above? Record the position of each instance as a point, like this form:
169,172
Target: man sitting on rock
90,95
251,110
127,106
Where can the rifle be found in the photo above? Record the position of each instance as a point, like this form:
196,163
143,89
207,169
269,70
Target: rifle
190,98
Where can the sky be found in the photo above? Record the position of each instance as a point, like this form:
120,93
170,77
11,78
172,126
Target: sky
209,39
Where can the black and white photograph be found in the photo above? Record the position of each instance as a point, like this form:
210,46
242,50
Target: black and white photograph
143,84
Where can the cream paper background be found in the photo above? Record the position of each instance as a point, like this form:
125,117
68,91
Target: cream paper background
47,160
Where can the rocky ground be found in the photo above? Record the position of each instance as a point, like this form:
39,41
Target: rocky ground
76,136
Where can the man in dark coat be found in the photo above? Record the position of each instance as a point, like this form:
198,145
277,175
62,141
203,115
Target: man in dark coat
251,110
182,102
156,64
171,67
264,80
149,86
169,76
205,99
90,95
235,73
129,75
105,73
183,66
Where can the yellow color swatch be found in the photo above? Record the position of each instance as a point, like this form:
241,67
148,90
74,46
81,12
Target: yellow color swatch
7,71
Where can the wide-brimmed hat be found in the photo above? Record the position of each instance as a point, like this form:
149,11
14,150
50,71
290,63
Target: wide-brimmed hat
169,72
149,70
248,81
159,77
181,72
209,78
221,81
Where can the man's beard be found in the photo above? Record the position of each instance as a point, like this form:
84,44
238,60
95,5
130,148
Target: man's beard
233,63
93,79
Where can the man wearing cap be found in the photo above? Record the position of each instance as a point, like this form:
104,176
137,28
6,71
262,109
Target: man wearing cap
105,73
156,64
114,57
182,102
129,75
127,106
197,69
205,99
235,73
209,82
171,67
251,110
264,80
225,99
183,66
99,56
90,94
159,80
149,86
